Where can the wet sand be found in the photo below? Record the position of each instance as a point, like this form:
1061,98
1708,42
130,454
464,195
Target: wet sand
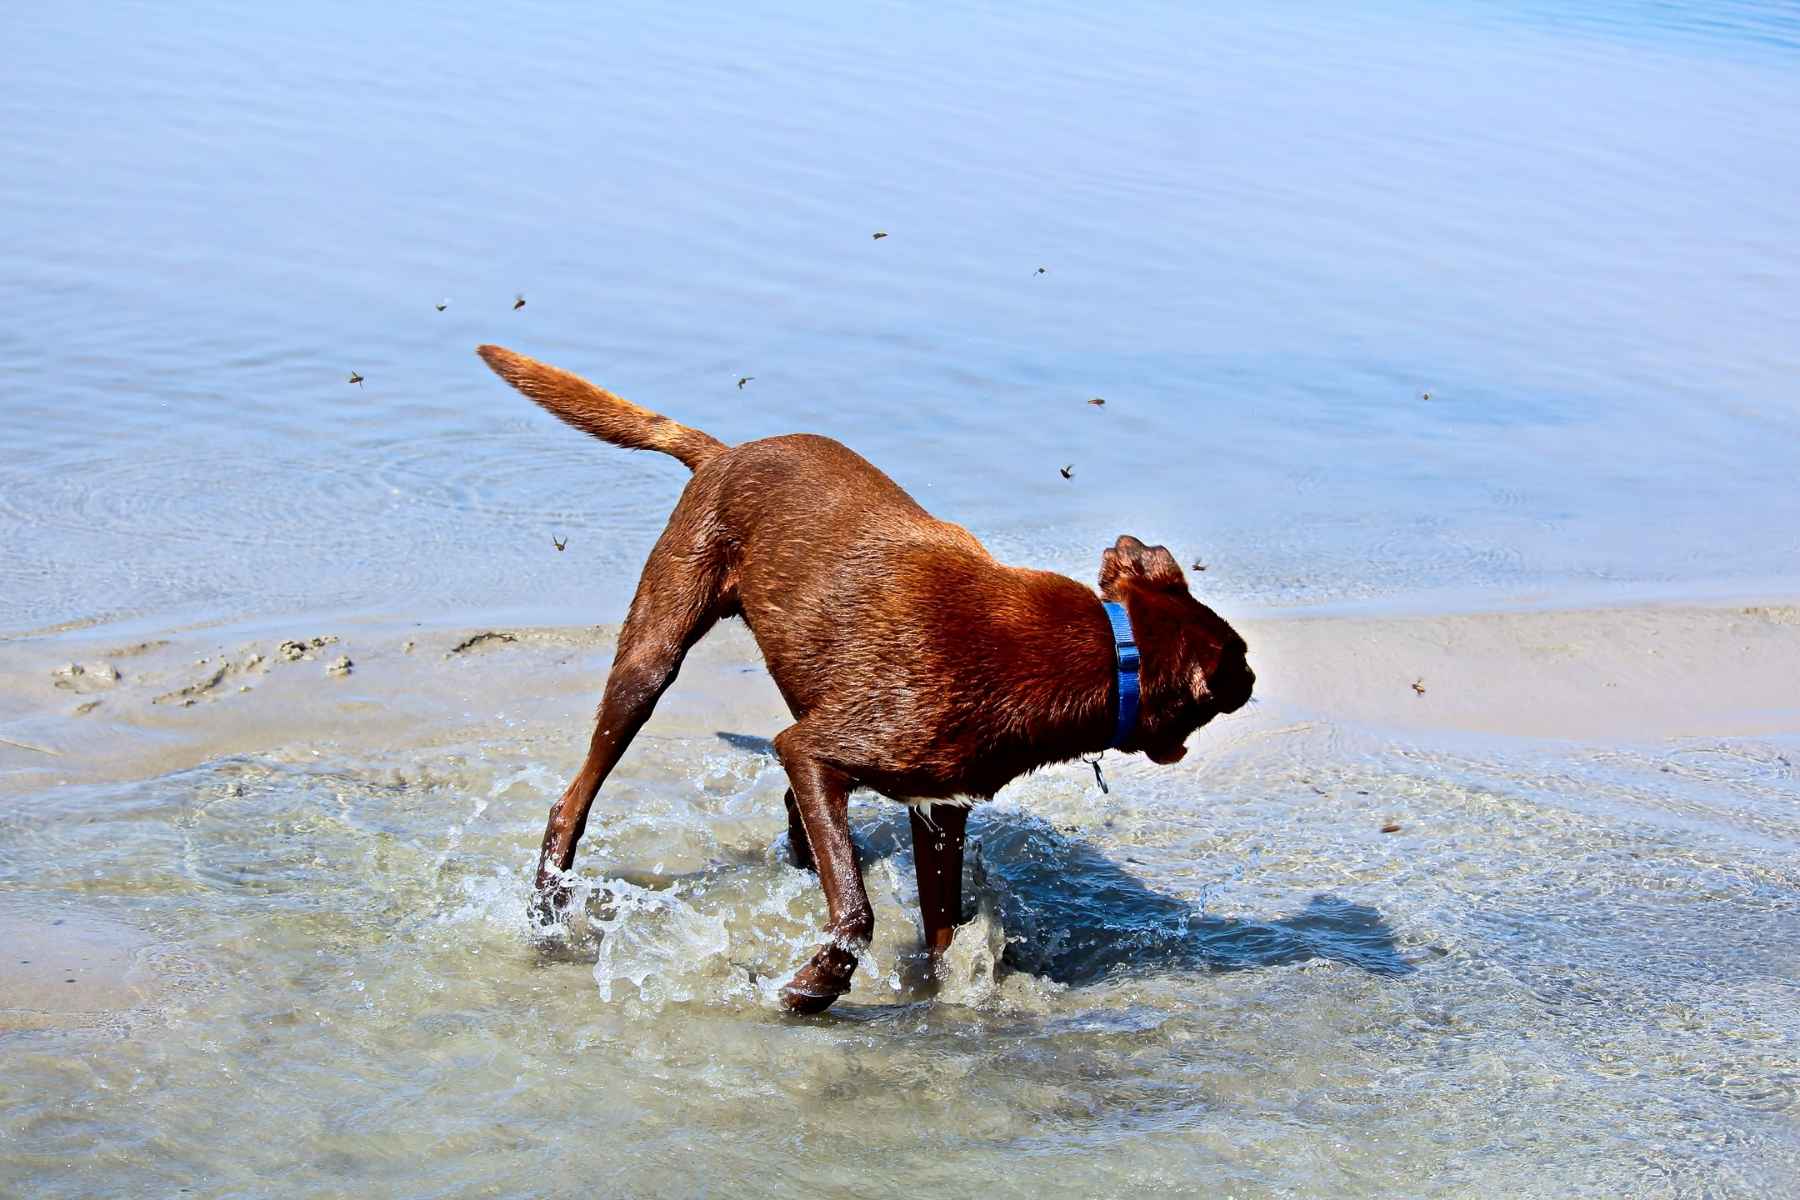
82,708
65,966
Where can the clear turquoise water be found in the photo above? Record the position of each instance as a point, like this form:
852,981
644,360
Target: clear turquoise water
1266,234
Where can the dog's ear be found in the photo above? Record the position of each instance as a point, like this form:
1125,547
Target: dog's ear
1130,561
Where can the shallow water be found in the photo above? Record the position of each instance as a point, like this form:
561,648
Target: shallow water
1266,236
304,969
1570,972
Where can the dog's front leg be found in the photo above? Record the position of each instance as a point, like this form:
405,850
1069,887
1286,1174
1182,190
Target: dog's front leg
937,860
822,797
799,849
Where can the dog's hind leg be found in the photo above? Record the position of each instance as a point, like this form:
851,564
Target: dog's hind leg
682,592
822,797
937,840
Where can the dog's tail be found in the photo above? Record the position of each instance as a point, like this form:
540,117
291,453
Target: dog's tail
597,411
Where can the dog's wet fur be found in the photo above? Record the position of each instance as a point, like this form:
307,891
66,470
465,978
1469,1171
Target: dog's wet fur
914,664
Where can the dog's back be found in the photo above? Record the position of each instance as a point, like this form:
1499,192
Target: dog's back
856,594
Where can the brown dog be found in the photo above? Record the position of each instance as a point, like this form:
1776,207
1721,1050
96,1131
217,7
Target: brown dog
914,664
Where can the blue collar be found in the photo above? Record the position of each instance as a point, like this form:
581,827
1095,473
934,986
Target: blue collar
1125,653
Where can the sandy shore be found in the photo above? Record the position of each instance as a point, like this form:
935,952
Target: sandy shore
1617,675
80,708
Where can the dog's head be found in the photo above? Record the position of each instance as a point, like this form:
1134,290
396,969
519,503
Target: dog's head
1193,664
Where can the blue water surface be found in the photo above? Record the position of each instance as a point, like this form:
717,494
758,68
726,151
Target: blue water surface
1265,236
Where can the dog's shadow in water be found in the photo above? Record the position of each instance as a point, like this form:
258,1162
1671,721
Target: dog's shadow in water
1073,915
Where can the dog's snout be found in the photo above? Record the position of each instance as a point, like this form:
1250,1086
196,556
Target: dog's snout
1231,686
